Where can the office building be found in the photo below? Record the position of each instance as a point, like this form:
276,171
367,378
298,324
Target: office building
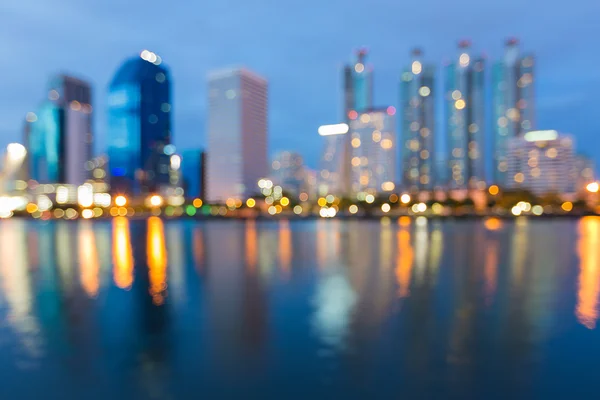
541,162
357,97
288,171
373,151
465,97
237,134
513,103
59,136
139,126
417,107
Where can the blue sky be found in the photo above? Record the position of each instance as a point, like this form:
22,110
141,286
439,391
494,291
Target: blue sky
300,48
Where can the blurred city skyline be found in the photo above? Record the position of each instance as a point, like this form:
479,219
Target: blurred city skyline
301,51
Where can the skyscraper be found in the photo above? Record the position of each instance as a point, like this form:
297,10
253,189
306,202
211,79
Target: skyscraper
417,104
373,154
465,96
237,134
139,125
60,134
357,89
514,103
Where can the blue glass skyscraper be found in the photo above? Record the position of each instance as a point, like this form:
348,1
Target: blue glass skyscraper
514,104
465,99
417,104
139,125
60,137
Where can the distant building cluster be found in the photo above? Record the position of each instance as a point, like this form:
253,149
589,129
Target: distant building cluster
354,162
372,150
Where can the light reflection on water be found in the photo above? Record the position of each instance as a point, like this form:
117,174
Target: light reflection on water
169,308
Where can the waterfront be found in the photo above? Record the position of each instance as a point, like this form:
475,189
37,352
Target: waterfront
403,308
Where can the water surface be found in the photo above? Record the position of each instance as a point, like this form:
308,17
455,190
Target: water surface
298,309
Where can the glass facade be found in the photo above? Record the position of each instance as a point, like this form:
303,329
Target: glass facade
513,104
465,99
46,144
139,126
417,100
59,138
335,174
373,154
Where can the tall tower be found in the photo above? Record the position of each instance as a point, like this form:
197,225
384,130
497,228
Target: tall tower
237,134
465,96
514,103
139,125
373,155
358,97
60,134
417,104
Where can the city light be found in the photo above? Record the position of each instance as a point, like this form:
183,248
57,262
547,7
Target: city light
593,187
197,203
87,213
541,136
155,200
250,203
385,208
120,201
494,190
336,129
353,209
405,198
567,206
85,195
369,198
297,210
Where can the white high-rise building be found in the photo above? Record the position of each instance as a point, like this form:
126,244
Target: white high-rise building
542,162
237,134
373,154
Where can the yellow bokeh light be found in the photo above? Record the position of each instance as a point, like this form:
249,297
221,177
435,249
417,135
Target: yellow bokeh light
355,143
494,190
284,201
156,200
353,209
120,201
593,187
386,144
250,203
405,198
197,203
567,206
87,213
321,202
460,104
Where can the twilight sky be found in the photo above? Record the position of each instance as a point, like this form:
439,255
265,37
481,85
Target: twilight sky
299,47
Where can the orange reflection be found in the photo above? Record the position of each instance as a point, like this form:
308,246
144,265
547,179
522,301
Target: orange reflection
157,260
404,262
589,275
285,246
122,253
493,224
404,221
490,269
251,244
198,249
88,260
